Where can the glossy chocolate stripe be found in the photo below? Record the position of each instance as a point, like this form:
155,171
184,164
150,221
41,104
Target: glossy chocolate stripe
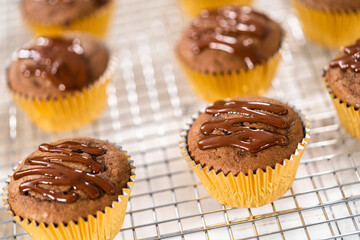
239,106
59,174
63,176
252,140
72,146
56,61
351,59
249,113
96,167
230,29
244,137
229,125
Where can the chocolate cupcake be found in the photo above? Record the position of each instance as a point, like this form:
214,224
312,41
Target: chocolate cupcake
228,52
331,23
74,187
55,17
60,82
246,151
342,79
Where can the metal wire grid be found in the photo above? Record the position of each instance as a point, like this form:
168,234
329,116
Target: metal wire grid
148,103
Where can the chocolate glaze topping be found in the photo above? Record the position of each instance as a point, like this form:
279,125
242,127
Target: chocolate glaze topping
221,29
244,137
57,60
58,174
351,59
71,149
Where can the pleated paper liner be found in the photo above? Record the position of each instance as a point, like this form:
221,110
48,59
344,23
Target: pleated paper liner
329,28
215,86
349,115
194,7
105,225
71,111
251,189
96,23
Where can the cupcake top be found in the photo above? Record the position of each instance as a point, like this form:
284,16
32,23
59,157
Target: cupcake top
68,179
62,12
343,75
52,67
229,38
333,5
244,134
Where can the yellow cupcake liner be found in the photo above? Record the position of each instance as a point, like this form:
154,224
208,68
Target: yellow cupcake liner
71,111
215,86
329,28
105,225
194,7
349,115
251,189
96,23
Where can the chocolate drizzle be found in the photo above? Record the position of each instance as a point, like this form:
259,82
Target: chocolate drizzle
351,59
56,60
230,29
241,136
61,175
71,149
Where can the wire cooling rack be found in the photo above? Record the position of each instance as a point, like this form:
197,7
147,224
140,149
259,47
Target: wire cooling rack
149,101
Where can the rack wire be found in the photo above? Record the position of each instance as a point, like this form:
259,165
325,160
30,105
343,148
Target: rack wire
149,101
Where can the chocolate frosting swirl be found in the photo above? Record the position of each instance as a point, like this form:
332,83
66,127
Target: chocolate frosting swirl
223,28
61,175
57,60
244,137
350,60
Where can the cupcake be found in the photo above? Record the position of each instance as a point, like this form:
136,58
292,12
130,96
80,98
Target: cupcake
71,189
246,151
328,22
60,82
342,79
53,17
229,52
194,8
